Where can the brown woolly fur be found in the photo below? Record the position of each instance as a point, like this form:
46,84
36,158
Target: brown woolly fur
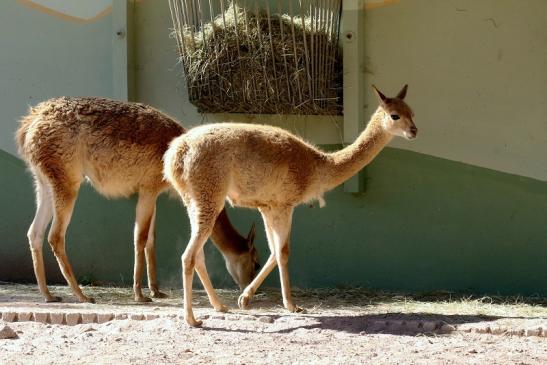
269,169
118,147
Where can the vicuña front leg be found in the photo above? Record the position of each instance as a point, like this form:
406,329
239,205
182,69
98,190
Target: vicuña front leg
279,222
282,257
250,290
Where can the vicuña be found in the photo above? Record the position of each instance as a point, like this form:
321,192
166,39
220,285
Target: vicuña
269,169
119,147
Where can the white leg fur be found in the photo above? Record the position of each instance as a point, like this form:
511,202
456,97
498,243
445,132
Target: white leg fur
143,221
63,207
36,233
201,269
279,222
271,263
150,255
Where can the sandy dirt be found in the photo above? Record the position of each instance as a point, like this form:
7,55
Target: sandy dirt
342,326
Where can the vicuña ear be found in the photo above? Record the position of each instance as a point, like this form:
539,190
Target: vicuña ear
381,97
401,95
251,236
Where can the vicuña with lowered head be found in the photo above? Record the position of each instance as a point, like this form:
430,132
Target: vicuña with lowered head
119,147
269,169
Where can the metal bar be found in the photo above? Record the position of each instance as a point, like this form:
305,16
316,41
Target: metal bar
306,53
272,50
353,78
251,45
323,52
223,11
336,29
321,45
295,53
188,8
259,31
216,45
335,44
234,5
312,52
183,25
177,28
206,74
279,13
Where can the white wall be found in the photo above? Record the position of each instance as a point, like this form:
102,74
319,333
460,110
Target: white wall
43,55
76,9
477,72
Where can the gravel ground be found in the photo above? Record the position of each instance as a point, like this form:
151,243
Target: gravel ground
341,326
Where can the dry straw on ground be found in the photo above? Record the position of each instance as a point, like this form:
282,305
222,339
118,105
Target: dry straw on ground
342,326
248,60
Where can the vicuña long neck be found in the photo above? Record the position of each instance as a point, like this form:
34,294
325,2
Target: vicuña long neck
347,162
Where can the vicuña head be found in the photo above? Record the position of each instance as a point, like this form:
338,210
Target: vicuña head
398,115
244,267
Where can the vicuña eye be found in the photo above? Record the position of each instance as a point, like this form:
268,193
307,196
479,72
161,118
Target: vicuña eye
394,117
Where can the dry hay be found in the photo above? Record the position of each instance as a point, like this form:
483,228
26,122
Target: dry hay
250,61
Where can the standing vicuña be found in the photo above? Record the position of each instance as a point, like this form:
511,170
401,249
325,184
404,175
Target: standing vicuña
119,147
270,169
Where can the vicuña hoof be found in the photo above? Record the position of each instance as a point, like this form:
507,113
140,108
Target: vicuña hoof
192,322
85,299
222,308
52,299
295,309
159,295
243,301
143,299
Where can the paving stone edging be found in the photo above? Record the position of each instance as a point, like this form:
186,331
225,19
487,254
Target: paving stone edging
440,327
371,326
71,318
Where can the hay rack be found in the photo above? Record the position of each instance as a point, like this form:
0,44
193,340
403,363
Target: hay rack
260,57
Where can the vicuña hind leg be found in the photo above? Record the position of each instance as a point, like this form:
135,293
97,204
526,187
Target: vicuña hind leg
143,221
36,232
202,220
64,197
150,255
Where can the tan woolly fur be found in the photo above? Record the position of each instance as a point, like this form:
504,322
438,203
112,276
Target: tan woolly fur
266,168
118,147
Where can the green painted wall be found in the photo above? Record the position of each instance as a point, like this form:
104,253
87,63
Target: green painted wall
425,223
99,238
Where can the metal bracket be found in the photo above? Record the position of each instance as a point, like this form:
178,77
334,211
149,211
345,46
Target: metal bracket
352,40
122,47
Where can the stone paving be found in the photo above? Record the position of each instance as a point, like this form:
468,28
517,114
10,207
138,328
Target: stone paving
22,303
